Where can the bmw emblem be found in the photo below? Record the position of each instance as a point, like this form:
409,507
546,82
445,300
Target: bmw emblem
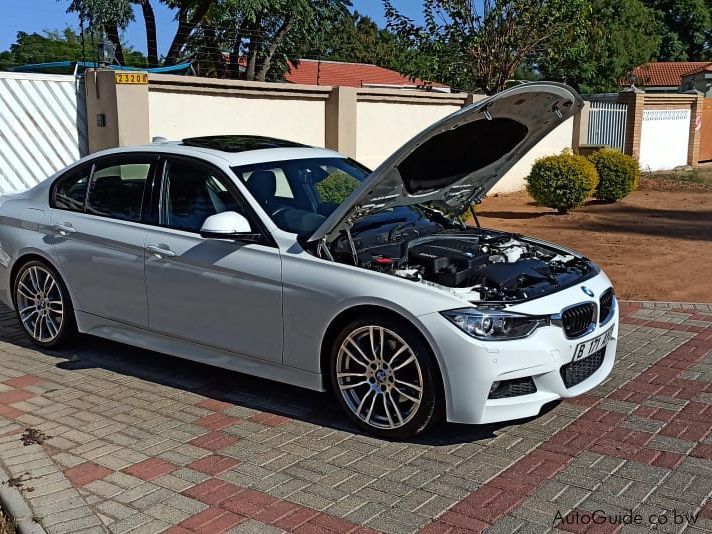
587,291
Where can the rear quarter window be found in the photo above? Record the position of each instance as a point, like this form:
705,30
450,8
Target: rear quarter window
70,190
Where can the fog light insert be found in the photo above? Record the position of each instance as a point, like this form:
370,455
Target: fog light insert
512,388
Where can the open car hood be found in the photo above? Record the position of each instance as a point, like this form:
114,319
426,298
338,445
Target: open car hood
457,160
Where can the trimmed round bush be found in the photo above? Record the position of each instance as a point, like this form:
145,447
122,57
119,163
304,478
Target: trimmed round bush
336,187
562,182
618,174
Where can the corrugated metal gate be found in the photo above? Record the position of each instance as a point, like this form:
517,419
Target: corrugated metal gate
42,127
606,123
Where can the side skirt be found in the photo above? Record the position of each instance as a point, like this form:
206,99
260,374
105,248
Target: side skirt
138,337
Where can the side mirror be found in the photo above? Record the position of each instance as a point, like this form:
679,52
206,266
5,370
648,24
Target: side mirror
228,225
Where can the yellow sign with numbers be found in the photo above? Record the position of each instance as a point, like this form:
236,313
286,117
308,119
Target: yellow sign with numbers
136,78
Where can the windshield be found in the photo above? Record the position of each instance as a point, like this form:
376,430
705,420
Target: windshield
299,194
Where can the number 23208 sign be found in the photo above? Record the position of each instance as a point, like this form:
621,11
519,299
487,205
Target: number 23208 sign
136,78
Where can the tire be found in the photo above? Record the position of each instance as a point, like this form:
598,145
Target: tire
379,389
43,305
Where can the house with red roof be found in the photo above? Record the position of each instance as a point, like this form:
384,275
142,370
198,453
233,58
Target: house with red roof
338,73
664,76
699,79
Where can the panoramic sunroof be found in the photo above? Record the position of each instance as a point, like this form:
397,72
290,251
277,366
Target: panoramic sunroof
238,143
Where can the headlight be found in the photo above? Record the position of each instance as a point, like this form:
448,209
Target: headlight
494,325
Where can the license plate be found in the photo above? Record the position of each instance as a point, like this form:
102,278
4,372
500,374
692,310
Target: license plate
585,349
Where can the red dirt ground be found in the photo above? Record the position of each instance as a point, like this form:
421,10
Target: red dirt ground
656,244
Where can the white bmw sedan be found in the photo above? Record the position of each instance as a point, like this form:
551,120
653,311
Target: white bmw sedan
299,265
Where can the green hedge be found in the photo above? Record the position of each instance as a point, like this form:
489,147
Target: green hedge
562,182
618,174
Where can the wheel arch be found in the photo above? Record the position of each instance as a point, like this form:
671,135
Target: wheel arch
22,260
366,310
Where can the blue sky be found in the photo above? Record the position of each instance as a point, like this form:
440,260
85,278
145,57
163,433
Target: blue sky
37,15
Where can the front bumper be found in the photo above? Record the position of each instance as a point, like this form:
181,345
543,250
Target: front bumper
470,366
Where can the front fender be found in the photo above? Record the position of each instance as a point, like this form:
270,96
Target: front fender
317,291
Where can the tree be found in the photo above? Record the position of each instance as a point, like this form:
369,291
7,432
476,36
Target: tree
480,44
356,38
112,16
265,32
259,37
686,26
149,19
107,15
190,14
57,46
240,29
606,49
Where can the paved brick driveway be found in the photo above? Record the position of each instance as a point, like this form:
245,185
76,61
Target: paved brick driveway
139,442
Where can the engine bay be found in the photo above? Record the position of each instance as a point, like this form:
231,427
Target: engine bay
476,264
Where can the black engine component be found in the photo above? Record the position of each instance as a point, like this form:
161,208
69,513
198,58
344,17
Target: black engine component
513,275
389,240
494,266
525,278
450,262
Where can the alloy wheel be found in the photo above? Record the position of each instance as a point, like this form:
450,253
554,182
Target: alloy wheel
379,377
40,303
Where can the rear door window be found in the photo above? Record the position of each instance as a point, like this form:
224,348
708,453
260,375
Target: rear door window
116,188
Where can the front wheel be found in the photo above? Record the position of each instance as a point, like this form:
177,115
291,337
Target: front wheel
43,305
385,377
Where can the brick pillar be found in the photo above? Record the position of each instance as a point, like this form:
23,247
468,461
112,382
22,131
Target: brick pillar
693,152
117,114
340,120
471,99
580,135
634,98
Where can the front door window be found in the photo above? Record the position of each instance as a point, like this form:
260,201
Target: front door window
192,193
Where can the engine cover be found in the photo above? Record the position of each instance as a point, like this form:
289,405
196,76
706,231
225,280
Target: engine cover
450,262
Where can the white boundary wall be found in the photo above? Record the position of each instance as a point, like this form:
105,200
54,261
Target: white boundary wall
181,115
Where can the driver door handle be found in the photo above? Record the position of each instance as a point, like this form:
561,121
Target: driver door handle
64,228
160,252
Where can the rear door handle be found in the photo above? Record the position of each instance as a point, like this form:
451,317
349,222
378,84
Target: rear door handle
160,252
64,228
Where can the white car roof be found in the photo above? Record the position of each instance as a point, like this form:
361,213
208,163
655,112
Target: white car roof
265,149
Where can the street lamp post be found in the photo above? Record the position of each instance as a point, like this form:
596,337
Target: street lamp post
106,51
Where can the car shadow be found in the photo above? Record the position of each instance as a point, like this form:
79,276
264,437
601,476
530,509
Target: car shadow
236,388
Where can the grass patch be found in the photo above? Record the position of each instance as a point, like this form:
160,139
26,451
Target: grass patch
700,177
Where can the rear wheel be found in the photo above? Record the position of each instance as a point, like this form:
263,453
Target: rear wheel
43,306
385,378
